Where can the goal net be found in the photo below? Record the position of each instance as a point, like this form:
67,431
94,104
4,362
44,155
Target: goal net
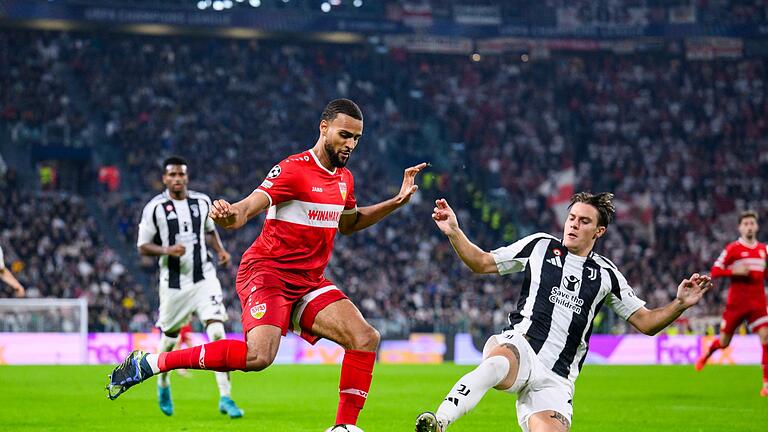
43,331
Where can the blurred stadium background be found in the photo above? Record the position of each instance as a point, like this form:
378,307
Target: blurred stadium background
515,103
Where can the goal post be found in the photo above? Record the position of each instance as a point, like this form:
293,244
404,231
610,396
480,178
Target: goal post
27,324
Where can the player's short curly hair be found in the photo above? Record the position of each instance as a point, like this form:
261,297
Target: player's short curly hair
173,160
748,214
341,106
603,202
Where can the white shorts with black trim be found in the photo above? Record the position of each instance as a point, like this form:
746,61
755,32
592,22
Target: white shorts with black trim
538,388
204,298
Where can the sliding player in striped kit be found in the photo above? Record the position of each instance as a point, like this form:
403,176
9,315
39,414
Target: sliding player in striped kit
176,228
540,354
309,197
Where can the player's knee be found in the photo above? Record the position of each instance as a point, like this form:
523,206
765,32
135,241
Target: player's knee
259,358
256,361
366,339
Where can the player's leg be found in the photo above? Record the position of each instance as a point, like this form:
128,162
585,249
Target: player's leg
731,320
266,315
501,368
758,323
211,311
763,333
548,421
341,322
175,307
168,341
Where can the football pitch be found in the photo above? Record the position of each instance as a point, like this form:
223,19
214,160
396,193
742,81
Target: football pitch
303,398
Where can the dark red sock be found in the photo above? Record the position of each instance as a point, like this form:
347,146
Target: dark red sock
222,356
355,381
714,347
765,364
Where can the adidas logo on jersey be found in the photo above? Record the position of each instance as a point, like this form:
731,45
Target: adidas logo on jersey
556,261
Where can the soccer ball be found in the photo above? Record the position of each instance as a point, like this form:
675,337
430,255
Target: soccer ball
344,428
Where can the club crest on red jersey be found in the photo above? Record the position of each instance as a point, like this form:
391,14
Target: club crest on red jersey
259,310
343,190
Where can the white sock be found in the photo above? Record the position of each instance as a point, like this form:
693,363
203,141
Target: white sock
215,331
468,390
152,360
166,344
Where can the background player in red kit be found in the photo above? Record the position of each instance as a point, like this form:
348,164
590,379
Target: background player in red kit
280,281
744,261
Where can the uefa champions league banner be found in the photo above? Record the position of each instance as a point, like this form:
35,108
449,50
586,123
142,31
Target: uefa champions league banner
644,350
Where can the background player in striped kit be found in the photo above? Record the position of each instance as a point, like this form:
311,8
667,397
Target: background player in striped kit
744,262
176,228
541,353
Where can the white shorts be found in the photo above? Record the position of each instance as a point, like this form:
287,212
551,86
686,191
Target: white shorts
203,298
538,388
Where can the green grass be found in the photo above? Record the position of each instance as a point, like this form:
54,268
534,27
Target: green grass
303,398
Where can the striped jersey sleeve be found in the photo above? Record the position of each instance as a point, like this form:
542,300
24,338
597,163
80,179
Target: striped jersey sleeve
622,298
513,258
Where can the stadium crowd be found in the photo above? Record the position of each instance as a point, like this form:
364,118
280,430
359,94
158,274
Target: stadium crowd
681,143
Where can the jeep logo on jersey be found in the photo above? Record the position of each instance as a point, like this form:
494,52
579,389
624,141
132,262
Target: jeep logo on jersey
343,190
259,310
195,210
274,172
571,283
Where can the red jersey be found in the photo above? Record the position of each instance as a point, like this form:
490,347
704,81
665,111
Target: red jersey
744,290
306,203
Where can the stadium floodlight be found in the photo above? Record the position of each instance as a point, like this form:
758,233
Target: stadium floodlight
254,3
325,7
335,2
228,4
202,5
47,315
218,5
357,3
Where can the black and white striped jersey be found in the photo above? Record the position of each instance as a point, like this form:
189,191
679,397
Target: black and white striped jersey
560,296
167,222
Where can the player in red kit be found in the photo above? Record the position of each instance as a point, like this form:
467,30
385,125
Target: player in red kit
744,261
309,196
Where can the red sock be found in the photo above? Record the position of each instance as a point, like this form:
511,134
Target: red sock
222,356
765,364
714,347
355,381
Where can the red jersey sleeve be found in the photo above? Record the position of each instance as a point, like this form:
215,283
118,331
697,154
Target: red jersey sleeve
350,204
281,182
720,268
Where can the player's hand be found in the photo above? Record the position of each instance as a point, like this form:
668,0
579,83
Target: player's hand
691,290
224,258
444,217
409,188
19,291
223,214
740,270
176,250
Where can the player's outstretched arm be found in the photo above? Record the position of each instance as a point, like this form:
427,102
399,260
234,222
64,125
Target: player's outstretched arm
213,239
478,260
367,216
233,216
152,249
689,292
8,277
